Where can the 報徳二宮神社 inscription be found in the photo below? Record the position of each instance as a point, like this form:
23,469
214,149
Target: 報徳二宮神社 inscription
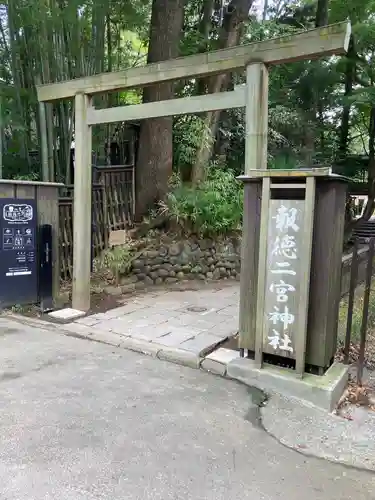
285,234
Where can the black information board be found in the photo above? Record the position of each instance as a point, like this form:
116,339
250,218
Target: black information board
18,252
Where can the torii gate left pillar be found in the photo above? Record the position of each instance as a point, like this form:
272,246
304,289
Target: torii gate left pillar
82,211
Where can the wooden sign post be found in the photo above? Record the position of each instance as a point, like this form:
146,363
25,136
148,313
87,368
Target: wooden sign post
255,57
279,307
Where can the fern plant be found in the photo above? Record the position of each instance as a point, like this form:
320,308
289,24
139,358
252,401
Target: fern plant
116,260
213,208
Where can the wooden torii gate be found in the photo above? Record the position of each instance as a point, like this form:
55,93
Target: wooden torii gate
255,57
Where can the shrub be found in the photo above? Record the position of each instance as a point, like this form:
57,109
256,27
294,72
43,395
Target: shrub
357,315
212,208
188,133
115,261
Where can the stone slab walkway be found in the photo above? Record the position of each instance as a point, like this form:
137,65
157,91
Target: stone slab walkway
180,326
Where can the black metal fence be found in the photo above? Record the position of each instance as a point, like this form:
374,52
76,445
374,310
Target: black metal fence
361,271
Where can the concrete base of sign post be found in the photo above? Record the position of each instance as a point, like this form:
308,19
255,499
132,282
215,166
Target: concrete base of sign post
321,391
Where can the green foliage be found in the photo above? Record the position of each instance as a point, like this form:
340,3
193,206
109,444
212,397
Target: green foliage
282,162
187,137
43,42
116,260
53,41
212,208
357,315
32,176
19,168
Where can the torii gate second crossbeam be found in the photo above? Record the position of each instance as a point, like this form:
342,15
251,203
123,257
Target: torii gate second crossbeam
255,57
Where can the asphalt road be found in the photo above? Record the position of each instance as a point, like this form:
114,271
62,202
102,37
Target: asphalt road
82,420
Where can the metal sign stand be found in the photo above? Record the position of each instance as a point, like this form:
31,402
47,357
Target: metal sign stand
18,252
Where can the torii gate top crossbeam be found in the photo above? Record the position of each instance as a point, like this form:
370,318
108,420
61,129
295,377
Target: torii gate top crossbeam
309,44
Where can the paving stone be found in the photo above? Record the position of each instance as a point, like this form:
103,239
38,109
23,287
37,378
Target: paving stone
178,335
141,346
66,315
97,316
214,300
167,313
202,343
169,304
81,330
212,366
147,322
209,318
209,313
231,311
140,314
149,316
88,321
223,355
116,325
181,320
179,356
149,332
123,310
106,338
192,320
227,329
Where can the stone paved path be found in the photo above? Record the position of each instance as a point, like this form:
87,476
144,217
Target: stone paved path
168,323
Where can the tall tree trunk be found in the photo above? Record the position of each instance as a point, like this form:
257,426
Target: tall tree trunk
16,70
314,106
98,39
204,31
236,13
309,129
321,16
265,10
154,162
350,69
51,141
370,205
43,141
1,135
110,95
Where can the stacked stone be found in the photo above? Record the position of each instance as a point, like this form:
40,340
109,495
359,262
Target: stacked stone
188,260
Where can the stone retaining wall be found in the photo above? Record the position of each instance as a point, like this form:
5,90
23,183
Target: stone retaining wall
167,261
187,260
